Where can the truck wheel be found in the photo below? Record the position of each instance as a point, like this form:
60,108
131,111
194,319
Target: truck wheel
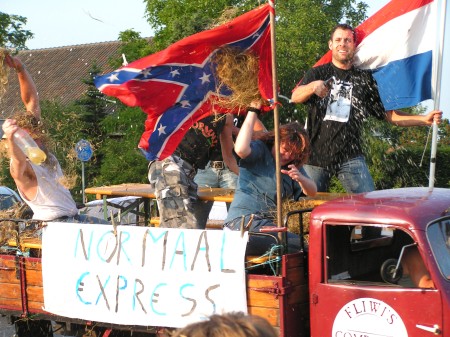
389,273
33,328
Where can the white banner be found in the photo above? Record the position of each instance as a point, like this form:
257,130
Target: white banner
142,275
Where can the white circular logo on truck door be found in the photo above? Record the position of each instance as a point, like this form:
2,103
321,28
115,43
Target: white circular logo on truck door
368,317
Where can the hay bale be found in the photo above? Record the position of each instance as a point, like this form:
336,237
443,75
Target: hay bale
9,224
237,70
293,221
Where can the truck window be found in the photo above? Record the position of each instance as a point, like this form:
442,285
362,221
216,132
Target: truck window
356,253
438,234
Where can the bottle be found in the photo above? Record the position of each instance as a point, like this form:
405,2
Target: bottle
29,147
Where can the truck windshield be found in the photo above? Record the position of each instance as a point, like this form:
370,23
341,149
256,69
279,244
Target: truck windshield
438,234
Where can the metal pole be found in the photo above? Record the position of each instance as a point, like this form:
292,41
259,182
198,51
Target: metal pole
276,119
82,180
439,54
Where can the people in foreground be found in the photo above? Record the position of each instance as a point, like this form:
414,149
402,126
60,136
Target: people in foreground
254,200
340,97
228,325
39,185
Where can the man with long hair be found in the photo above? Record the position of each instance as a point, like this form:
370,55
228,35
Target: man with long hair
255,196
39,185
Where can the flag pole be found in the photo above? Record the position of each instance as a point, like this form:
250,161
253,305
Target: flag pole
276,119
437,99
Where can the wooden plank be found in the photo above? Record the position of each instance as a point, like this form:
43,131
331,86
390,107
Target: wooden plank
10,291
297,278
299,294
35,294
33,264
294,261
272,315
35,307
34,278
145,191
11,304
8,275
33,272
258,292
261,299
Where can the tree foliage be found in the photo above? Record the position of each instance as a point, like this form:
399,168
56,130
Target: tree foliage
133,48
12,33
92,104
123,162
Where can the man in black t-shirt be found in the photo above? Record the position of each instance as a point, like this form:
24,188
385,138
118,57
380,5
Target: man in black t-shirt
339,98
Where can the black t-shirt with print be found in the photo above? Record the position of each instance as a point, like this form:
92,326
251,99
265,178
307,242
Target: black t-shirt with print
217,153
201,140
335,122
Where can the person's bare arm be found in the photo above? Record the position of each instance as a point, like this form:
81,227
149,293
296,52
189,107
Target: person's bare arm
226,143
20,168
28,91
304,92
245,135
414,266
308,186
401,118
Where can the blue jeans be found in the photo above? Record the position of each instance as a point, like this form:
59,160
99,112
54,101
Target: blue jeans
211,177
353,174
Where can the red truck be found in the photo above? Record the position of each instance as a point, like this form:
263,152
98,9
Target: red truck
373,264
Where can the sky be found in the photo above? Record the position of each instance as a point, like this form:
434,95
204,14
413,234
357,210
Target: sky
57,23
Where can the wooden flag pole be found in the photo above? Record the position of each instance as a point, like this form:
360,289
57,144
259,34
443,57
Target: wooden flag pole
276,121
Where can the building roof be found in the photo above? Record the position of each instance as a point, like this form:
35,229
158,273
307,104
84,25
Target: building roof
58,72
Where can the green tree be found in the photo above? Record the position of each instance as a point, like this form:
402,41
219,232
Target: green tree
91,109
133,47
63,137
444,133
122,160
12,34
173,20
92,104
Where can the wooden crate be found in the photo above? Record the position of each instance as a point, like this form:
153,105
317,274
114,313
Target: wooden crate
21,288
283,299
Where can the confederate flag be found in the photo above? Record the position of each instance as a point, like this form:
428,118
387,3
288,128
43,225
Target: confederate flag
175,86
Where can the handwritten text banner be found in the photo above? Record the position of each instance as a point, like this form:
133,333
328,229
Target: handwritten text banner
142,275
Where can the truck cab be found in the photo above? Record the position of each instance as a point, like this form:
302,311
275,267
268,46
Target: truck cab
379,264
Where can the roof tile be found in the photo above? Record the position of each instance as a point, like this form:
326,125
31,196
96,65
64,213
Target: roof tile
58,72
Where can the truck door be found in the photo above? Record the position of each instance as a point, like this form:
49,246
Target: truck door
356,299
